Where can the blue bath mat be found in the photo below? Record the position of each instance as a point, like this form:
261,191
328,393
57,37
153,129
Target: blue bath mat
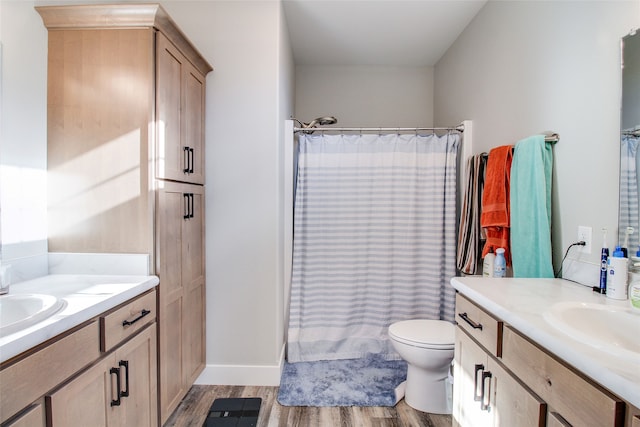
354,382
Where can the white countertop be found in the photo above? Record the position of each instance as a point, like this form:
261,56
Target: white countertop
86,296
521,303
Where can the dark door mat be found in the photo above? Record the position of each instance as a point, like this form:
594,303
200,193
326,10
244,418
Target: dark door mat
234,412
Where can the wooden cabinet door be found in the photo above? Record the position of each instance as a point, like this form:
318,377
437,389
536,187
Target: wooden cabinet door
180,265
170,161
170,212
193,274
86,400
137,362
485,394
94,399
471,362
511,403
193,122
180,100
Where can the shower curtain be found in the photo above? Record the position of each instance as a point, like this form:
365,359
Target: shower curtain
374,241
629,159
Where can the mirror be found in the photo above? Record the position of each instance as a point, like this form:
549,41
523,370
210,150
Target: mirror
629,209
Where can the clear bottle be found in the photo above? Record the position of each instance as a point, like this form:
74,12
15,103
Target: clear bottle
500,264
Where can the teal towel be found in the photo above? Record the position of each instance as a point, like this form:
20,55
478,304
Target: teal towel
531,208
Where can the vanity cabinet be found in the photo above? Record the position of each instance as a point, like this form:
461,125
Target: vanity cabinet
486,393
126,115
119,390
514,382
73,382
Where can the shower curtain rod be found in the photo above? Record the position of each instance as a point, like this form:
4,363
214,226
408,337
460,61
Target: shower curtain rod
459,128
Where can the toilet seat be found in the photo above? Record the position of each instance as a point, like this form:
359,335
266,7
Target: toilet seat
434,334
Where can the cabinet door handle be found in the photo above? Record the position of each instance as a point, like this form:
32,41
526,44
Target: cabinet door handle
478,368
185,162
485,395
191,209
186,205
115,371
125,364
473,324
191,157
143,313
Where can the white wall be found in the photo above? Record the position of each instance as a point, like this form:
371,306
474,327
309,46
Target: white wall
521,68
378,96
23,133
285,170
249,94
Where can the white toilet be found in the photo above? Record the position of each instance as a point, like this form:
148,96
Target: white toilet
427,347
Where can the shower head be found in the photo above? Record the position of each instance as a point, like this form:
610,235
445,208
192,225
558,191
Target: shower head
320,121
324,121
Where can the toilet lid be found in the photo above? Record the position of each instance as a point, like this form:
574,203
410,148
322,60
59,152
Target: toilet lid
424,333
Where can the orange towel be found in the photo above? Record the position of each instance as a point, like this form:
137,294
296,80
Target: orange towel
495,201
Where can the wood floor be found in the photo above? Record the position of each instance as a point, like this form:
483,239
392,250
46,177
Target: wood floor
195,406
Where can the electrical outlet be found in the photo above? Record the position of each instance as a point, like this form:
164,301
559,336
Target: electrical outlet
584,234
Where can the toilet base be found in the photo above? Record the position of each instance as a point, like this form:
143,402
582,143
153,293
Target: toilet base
427,391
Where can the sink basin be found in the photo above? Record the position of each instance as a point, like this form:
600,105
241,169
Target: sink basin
19,311
611,329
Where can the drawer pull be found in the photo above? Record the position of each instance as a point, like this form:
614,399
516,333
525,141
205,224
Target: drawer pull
125,364
131,322
477,397
473,324
485,395
115,402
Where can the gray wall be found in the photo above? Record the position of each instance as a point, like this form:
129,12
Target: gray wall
360,96
521,68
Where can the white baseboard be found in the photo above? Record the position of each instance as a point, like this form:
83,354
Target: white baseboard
244,375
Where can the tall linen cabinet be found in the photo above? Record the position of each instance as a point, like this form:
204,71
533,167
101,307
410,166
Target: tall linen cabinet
126,104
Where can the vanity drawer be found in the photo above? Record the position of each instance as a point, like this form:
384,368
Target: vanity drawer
579,401
482,326
124,321
24,381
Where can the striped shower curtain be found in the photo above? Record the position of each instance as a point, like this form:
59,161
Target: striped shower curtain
374,240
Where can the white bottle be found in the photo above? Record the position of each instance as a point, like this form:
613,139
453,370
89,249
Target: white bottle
500,264
617,273
487,265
